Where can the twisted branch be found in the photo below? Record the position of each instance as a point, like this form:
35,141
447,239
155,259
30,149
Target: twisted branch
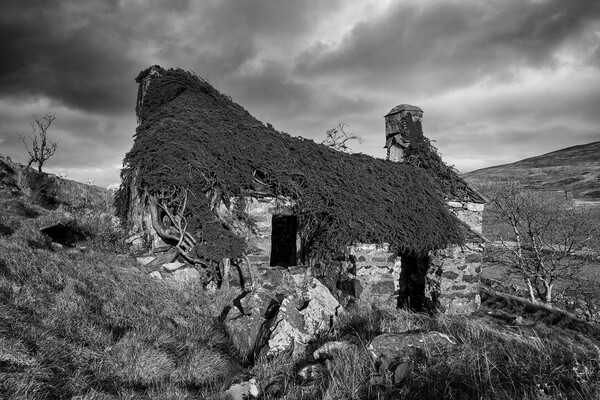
177,232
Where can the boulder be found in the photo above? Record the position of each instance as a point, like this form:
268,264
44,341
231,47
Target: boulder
395,353
184,275
144,260
394,345
401,370
247,320
283,313
243,390
327,350
392,372
313,371
173,266
321,307
288,331
156,275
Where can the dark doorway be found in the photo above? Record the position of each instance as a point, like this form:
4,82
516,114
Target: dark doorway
411,294
283,240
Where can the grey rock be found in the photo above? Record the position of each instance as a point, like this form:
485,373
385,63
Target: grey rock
394,353
321,309
173,266
314,371
143,260
243,390
156,275
397,345
402,370
247,321
288,331
281,315
328,350
184,275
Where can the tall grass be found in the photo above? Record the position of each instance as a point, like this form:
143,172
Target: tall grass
491,360
90,324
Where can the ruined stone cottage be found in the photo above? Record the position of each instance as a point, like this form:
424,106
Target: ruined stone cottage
206,178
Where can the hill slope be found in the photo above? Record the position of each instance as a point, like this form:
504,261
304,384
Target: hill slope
574,169
83,321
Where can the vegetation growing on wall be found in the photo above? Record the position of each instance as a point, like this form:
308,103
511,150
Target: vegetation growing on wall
193,138
421,153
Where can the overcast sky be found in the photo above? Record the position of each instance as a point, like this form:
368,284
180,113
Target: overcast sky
499,81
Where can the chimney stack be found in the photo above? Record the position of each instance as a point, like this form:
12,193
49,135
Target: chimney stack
143,81
397,135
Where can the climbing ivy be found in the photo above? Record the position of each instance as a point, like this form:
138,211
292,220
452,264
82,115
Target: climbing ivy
194,138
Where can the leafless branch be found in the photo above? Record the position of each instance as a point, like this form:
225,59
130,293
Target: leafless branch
39,148
337,137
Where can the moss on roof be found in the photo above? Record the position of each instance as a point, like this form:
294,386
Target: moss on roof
193,137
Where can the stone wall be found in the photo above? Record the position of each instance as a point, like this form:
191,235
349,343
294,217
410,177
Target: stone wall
469,212
453,278
458,268
376,272
257,227
456,271
371,273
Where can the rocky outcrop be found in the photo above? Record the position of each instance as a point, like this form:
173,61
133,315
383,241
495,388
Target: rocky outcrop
286,309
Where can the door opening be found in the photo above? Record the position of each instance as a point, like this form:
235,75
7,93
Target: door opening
413,275
283,240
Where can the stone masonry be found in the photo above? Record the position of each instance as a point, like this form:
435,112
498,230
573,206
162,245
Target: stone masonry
258,227
376,272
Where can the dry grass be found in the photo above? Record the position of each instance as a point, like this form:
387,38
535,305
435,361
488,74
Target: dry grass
491,360
89,325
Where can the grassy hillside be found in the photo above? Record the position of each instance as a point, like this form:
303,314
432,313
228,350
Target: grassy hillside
575,169
83,322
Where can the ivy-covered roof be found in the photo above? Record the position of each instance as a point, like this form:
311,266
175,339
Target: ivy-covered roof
191,136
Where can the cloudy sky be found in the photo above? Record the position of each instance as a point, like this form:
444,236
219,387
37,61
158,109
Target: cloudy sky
499,80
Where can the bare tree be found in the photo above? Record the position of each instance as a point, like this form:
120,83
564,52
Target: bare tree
337,137
38,146
581,296
539,237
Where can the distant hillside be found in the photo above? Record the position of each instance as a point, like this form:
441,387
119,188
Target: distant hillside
574,169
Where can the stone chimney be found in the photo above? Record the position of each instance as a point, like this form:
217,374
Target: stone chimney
397,135
143,81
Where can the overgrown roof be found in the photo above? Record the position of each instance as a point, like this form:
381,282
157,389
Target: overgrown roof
191,136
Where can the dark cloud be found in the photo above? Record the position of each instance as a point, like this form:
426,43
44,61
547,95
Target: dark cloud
64,51
438,45
476,68
262,18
